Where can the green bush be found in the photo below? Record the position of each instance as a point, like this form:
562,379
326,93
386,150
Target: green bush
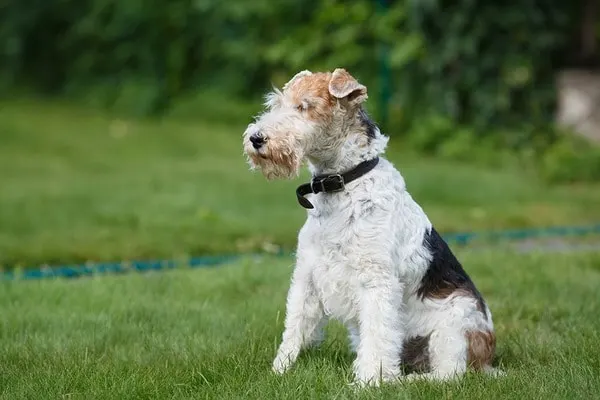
482,63
571,159
485,64
452,76
430,132
66,46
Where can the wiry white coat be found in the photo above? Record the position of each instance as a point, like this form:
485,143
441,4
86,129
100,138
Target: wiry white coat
361,258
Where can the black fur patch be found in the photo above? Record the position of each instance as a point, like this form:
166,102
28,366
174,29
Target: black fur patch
415,354
367,123
445,273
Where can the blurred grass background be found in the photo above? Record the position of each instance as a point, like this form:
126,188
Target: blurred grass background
80,185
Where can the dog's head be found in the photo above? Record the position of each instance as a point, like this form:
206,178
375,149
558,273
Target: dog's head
310,118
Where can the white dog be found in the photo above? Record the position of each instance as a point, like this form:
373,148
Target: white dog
367,254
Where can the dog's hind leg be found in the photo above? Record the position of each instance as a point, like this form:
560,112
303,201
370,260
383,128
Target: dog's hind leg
452,351
448,352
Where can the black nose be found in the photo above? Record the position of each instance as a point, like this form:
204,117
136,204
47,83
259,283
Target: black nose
257,140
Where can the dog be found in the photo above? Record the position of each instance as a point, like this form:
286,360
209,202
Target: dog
367,254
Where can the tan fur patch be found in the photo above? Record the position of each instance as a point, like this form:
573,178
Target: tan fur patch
482,346
314,90
277,164
343,85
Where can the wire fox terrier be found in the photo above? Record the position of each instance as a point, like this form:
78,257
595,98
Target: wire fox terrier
367,254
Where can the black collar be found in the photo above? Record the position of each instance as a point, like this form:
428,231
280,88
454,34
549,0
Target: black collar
333,183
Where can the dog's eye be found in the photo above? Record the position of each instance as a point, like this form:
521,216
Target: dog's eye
301,107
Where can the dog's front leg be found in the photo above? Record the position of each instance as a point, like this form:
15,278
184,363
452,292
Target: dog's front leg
381,331
304,316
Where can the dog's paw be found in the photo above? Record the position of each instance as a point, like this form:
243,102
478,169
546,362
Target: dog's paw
281,364
367,375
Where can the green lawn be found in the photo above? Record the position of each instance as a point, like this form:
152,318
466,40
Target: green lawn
213,333
76,185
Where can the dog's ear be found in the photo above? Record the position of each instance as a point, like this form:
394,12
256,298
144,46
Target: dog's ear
343,86
298,75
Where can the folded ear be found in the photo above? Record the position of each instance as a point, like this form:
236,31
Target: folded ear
343,86
298,75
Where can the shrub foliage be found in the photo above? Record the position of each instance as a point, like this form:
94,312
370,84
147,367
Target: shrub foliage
486,65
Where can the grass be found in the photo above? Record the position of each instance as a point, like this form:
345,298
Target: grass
77,185
203,334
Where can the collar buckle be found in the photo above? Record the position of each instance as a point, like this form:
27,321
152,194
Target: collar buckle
328,184
332,183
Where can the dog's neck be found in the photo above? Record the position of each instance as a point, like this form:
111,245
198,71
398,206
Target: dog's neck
362,140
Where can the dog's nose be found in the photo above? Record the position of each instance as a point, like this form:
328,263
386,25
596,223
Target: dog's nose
257,140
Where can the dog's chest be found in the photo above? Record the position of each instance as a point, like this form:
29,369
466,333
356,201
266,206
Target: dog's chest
335,275
336,287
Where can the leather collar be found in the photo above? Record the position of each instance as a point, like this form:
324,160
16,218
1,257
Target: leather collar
333,183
